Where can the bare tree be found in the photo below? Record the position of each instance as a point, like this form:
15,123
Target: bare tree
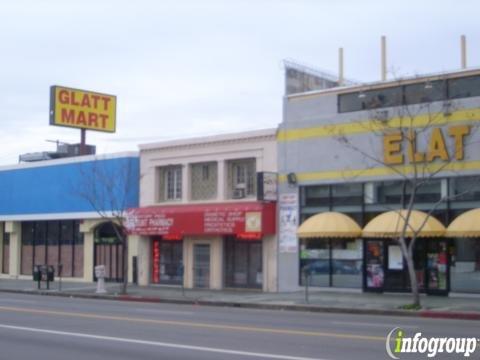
108,187
415,152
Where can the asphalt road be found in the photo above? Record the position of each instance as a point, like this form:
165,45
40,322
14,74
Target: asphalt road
51,328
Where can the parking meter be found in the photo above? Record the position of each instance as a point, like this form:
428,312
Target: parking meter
60,268
37,275
307,271
181,272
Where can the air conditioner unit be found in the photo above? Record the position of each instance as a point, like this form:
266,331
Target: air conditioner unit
238,193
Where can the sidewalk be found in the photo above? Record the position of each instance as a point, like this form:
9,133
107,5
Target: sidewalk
460,307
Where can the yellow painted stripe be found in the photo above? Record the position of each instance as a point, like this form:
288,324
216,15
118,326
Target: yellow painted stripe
383,171
192,324
371,125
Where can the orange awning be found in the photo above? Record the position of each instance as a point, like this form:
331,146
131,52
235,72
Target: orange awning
390,225
465,225
328,225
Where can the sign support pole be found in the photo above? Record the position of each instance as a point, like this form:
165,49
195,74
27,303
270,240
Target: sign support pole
83,135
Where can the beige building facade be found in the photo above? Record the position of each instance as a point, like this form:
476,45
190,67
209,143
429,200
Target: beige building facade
201,222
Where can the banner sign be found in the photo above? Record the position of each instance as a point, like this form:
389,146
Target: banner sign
288,218
82,109
245,220
267,186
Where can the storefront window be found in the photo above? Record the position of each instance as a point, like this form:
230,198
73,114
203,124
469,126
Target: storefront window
51,243
370,99
6,251
28,234
398,192
331,262
465,188
315,257
464,87
347,263
334,195
431,191
391,192
317,195
465,267
426,92
347,194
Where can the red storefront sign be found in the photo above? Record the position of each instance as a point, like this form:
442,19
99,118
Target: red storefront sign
156,261
249,220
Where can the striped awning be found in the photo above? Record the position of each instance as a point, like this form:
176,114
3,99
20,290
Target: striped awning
329,225
465,225
390,225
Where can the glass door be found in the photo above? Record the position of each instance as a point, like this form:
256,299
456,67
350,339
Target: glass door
437,266
255,263
201,266
374,265
243,263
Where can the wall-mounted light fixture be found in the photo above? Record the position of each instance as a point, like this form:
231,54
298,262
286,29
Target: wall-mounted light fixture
292,178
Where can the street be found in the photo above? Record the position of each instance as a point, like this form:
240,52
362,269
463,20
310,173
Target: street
49,327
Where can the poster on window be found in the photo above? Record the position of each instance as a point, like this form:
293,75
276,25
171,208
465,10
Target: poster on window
288,223
375,276
395,258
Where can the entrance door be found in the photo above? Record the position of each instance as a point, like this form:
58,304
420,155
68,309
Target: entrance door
386,269
108,251
201,266
243,263
374,265
437,267
167,262
110,255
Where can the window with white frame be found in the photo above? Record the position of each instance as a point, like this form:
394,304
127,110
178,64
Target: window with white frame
172,183
203,181
241,174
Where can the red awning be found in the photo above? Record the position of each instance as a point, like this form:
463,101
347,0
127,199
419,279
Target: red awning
247,220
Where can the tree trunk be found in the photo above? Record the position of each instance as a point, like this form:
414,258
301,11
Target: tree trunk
413,279
121,233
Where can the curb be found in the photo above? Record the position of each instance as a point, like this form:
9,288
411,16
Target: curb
458,315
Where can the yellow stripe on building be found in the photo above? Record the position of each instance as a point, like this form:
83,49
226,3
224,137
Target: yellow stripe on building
349,174
373,125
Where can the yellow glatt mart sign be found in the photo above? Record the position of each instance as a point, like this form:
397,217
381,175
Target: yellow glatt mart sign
82,109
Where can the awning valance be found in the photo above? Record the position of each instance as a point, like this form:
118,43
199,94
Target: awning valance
329,225
465,225
390,225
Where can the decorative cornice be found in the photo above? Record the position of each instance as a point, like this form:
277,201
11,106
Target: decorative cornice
204,142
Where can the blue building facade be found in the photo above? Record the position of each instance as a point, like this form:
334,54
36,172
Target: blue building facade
56,212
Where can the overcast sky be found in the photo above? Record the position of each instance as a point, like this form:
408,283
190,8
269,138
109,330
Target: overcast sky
192,68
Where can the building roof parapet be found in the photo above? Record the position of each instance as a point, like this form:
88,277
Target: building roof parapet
230,138
70,160
388,83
